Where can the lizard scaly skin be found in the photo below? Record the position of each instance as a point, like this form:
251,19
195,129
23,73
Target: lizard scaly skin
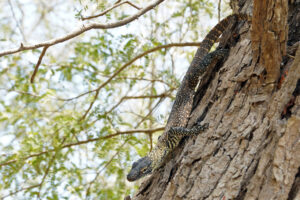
174,130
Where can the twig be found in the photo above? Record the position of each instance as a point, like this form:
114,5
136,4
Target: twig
21,92
15,18
151,102
97,90
150,112
20,190
46,173
147,96
163,95
129,132
49,166
219,11
38,64
111,8
140,79
81,30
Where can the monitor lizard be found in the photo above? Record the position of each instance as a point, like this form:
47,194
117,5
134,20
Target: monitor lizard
175,129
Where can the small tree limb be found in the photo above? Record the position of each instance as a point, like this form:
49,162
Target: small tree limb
111,8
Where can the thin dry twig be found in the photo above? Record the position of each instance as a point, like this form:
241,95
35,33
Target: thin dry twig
81,30
128,132
97,90
219,10
38,64
111,8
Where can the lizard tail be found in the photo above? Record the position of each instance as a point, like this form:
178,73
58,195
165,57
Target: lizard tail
216,31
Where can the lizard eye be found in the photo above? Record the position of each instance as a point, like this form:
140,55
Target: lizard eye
144,170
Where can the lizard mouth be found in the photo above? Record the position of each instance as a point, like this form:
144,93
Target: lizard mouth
131,177
135,175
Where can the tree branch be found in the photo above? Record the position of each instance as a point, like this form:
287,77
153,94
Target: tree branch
129,132
81,30
111,8
38,64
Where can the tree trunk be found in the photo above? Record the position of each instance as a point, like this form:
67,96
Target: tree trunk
252,103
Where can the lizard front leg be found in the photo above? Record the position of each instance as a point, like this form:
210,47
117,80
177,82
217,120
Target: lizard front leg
175,134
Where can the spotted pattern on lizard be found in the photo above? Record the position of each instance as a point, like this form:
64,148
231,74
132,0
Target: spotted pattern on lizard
175,129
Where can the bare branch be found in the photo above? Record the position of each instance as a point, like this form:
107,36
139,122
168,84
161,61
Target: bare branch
97,90
38,64
129,132
111,8
81,30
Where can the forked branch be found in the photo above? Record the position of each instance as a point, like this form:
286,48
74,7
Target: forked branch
81,30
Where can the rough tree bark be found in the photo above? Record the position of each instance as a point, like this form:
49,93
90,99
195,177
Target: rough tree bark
252,103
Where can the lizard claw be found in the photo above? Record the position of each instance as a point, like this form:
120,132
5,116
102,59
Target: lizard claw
202,127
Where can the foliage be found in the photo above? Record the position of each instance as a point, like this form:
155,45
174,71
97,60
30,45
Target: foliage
53,146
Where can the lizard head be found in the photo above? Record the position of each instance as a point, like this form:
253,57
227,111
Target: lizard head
140,168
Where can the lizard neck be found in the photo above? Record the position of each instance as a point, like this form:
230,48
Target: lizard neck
158,154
